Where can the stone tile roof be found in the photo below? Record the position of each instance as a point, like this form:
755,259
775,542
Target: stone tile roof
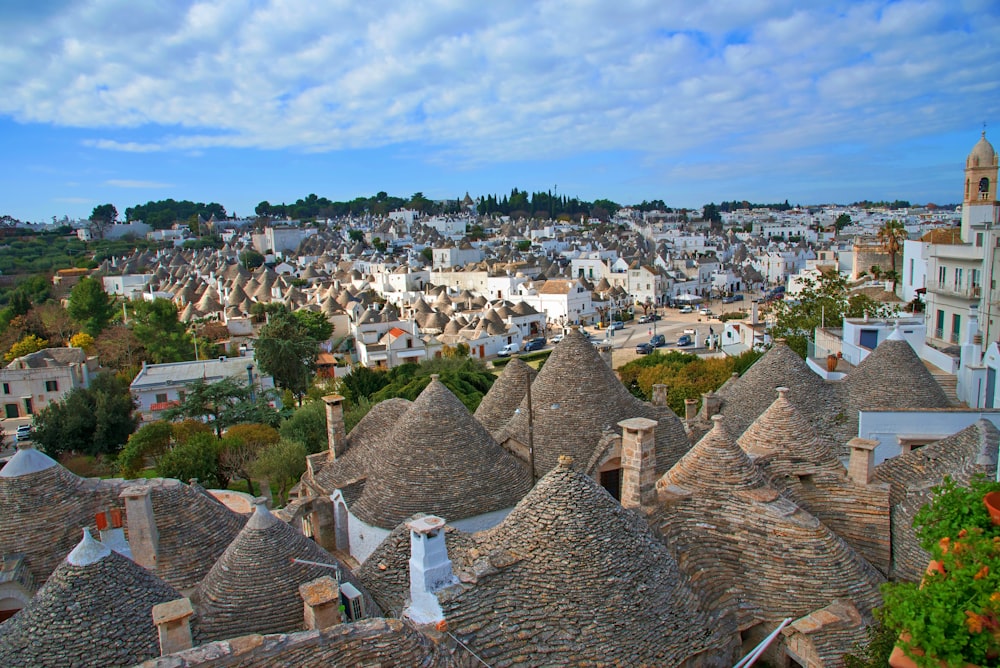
254,586
911,476
44,510
96,614
568,578
577,399
783,445
372,642
747,547
439,459
746,397
503,398
892,376
363,443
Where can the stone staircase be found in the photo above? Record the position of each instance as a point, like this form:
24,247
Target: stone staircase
948,383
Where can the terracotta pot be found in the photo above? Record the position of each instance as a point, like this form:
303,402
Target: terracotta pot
992,502
898,658
831,362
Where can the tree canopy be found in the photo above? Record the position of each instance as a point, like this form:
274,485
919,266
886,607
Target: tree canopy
162,214
825,299
157,326
224,403
287,351
92,421
90,305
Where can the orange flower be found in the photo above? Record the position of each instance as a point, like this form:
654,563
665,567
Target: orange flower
963,533
943,544
983,572
974,622
995,597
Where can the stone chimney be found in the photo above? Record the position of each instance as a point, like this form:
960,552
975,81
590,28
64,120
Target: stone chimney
710,404
638,462
144,539
690,409
659,395
754,314
173,624
862,462
321,603
109,523
430,569
336,435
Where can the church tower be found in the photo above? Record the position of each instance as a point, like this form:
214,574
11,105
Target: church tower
979,206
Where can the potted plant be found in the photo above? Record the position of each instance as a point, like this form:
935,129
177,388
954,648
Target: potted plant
952,618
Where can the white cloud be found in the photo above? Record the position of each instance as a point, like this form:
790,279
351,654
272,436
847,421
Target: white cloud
130,183
518,80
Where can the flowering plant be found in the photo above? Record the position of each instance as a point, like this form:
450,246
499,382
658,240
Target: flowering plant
952,618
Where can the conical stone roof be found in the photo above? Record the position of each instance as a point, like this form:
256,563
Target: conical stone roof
95,610
783,432
504,397
576,400
893,376
254,586
578,575
439,459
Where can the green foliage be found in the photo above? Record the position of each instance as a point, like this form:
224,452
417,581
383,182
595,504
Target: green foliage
150,441
223,403
363,382
93,421
241,447
90,305
355,411
954,507
286,350
27,345
282,464
104,213
843,220
307,425
251,259
197,457
157,326
825,299
315,323
467,378
524,245
953,615
162,214
732,315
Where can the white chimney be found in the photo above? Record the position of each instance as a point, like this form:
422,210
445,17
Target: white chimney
430,569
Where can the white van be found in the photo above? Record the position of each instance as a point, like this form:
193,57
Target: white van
509,349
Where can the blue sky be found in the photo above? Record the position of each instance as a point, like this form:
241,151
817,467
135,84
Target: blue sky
238,101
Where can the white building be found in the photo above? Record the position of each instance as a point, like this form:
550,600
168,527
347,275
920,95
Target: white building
31,382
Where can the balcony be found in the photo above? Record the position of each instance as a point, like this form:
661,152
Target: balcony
964,292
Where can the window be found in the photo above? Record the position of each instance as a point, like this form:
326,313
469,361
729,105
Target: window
6,388
51,386
911,271
958,278
161,398
956,326
979,239
181,394
942,277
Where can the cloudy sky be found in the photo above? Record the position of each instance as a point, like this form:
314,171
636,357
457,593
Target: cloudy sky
238,101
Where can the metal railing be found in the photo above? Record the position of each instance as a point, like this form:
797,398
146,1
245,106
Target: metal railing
946,288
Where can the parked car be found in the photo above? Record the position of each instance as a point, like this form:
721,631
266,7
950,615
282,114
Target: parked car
556,339
616,324
23,433
534,344
704,310
687,309
684,340
658,341
643,349
643,319
509,350
731,299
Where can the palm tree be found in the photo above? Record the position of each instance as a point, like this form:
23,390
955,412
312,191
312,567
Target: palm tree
891,236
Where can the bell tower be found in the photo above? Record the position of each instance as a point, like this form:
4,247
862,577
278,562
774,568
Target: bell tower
979,205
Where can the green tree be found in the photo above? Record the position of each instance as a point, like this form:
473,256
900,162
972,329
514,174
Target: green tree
90,305
843,220
822,300
198,457
286,351
222,403
150,441
157,325
96,420
307,425
101,218
27,345
251,259
315,323
243,444
891,236
282,464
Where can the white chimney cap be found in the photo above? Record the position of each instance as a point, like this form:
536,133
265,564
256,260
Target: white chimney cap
425,524
88,551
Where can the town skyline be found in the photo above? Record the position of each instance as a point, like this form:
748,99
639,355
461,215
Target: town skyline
238,103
